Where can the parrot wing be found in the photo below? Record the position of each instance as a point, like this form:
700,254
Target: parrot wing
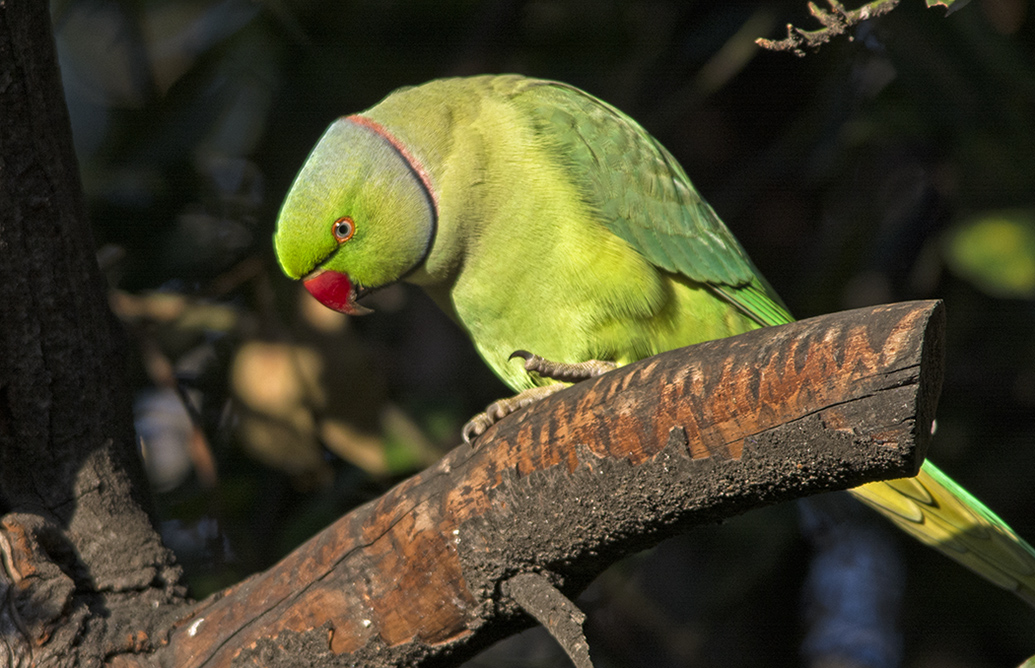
644,197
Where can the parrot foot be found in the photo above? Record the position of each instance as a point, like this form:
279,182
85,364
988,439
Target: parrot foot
563,371
498,410
560,371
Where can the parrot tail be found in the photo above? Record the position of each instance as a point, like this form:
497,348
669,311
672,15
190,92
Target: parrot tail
935,510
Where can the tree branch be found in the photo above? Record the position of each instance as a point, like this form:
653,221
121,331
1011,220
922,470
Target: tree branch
573,483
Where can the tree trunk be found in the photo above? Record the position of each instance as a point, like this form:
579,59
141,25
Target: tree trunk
81,557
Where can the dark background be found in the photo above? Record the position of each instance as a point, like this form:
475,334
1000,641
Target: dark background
896,165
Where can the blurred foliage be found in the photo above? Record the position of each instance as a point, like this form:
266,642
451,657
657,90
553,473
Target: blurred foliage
995,252
897,165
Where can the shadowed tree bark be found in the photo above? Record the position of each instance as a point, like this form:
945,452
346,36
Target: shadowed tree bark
432,571
80,555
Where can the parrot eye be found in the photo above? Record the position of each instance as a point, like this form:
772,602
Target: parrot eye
343,229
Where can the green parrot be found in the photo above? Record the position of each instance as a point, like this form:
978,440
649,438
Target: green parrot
543,219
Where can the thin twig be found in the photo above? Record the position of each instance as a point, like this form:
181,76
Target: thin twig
836,22
539,598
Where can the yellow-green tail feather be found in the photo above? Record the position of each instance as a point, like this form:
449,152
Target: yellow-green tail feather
935,510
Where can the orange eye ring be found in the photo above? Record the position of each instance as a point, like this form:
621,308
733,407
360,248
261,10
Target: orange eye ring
343,229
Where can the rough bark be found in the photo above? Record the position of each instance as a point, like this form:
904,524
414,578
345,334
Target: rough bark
76,539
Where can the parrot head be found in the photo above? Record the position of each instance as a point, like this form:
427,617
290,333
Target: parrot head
360,215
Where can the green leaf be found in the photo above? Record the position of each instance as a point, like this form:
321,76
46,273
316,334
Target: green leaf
950,5
995,251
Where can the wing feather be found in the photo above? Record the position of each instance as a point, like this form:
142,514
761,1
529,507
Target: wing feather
644,197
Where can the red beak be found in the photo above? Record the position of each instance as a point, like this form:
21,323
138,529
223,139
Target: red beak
334,290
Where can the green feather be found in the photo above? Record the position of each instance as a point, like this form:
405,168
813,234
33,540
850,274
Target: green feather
643,196
638,188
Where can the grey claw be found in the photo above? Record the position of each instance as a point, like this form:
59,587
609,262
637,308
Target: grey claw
475,427
532,361
498,410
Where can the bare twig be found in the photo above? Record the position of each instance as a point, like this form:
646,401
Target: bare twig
836,22
539,598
